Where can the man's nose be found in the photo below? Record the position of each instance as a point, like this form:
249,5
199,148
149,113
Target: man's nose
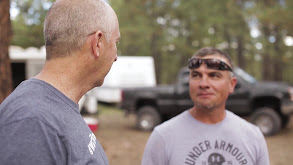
115,58
204,82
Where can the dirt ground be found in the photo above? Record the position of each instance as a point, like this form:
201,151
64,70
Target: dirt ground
124,144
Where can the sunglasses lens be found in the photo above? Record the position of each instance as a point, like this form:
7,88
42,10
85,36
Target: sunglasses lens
216,64
194,63
213,63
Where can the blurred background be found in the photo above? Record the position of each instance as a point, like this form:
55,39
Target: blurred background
258,34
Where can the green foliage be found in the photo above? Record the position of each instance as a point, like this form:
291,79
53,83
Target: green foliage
27,35
28,24
274,21
172,30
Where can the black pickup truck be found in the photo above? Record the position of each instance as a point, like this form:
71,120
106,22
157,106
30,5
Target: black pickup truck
267,104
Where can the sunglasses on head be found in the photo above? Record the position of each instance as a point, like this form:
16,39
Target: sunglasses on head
216,64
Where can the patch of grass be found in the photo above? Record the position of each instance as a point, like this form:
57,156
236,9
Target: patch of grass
108,109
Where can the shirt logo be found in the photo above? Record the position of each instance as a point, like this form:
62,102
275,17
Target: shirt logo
216,150
92,143
216,159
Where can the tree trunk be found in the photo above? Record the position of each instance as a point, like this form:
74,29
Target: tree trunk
278,63
265,67
157,57
227,37
240,57
5,66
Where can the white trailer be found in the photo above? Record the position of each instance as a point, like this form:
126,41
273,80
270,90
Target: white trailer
127,71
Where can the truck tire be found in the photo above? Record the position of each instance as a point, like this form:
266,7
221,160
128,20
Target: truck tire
147,118
268,120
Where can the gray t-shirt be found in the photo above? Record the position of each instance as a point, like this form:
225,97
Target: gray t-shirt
40,125
186,141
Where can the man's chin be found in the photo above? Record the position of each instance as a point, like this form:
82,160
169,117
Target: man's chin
100,83
208,107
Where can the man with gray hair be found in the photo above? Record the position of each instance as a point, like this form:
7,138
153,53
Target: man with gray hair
207,133
40,121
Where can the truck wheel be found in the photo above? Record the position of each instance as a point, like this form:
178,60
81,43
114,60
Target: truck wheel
147,118
268,120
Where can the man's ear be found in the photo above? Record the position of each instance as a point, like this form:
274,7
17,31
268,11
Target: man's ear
96,43
233,83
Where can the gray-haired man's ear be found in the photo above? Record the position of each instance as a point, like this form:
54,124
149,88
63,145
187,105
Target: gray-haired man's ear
96,43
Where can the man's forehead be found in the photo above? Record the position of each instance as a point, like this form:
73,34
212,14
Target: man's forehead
205,70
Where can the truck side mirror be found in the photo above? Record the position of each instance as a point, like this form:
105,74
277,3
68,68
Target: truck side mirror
185,81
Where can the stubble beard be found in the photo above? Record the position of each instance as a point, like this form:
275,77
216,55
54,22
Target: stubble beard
209,107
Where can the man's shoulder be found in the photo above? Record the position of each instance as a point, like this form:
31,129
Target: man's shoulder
30,100
243,124
173,124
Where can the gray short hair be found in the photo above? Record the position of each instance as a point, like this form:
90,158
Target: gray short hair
69,22
213,51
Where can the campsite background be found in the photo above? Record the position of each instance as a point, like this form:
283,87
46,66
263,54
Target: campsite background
256,33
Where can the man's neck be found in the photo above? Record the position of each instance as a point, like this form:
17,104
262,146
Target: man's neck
65,77
208,116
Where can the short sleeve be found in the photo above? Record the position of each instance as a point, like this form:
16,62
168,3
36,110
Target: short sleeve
263,154
154,153
30,141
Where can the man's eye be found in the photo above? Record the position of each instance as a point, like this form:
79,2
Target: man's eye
194,75
215,75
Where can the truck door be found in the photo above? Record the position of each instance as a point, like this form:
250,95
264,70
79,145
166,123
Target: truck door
238,101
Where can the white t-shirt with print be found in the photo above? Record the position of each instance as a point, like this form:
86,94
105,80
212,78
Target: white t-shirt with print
183,140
